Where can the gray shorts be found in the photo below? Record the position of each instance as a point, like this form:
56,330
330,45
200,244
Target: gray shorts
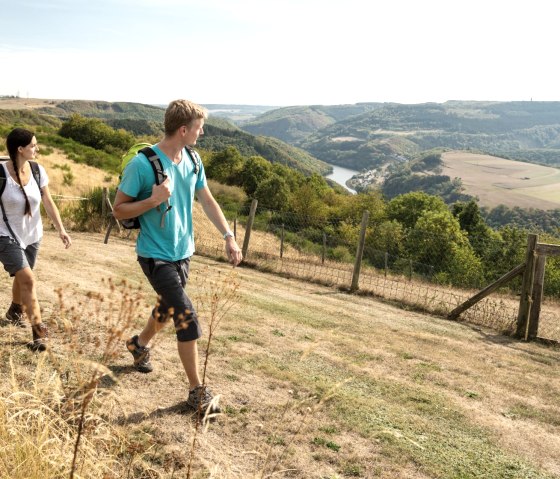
14,257
168,278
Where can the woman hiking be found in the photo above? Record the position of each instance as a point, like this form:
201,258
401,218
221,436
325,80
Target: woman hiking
23,184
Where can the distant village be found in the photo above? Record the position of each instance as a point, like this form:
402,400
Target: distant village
366,178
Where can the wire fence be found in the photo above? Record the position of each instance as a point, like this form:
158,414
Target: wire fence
312,250
315,250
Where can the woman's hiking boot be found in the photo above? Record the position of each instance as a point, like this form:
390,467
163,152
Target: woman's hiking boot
15,315
40,337
201,399
141,355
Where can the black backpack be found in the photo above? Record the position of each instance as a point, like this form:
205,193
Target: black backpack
36,173
159,177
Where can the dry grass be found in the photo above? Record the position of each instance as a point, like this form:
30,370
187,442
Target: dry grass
84,177
25,103
498,311
314,383
498,181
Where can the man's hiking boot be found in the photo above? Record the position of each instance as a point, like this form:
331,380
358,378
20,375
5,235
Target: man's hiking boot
201,399
40,337
141,355
15,315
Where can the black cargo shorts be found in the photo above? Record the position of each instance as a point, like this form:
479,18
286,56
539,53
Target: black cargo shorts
168,278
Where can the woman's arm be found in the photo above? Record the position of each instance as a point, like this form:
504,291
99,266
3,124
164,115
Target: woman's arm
54,215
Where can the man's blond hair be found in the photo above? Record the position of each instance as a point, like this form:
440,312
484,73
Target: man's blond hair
180,113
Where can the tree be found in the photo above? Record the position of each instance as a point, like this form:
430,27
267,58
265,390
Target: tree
407,208
387,237
255,171
437,240
273,193
479,233
97,134
353,208
225,166
307,206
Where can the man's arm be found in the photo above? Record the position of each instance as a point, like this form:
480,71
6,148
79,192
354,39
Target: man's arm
214,212
125,207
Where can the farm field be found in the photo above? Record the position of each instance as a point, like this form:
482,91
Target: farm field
315,383
25,103
499,181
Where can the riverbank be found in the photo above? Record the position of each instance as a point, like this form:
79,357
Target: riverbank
341,175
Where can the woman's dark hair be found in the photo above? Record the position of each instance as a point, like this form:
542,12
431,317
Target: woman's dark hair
16,138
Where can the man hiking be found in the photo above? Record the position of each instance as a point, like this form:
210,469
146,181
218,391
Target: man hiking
166,241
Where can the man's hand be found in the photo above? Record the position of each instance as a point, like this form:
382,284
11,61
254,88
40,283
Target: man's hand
161,192
233,252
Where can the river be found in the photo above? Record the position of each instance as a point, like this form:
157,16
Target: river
340,175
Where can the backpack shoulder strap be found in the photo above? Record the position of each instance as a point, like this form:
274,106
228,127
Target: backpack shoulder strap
155,162
3,179
194,158
36,174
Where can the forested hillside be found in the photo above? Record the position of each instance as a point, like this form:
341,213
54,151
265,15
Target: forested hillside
373,134
146,121
294,124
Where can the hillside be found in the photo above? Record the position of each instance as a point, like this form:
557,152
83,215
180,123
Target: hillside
146,120
314,384
384,133
294,124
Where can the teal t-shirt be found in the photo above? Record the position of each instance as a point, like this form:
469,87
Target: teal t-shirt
175,240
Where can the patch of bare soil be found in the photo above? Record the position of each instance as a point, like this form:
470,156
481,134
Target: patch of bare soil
267,359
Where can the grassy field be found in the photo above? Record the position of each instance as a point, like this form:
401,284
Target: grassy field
25,103
314,383
498,181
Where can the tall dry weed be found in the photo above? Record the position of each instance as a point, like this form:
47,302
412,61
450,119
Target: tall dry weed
51,411
215,298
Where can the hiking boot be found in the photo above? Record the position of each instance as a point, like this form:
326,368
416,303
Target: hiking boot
15,315
40,337
201,399
141,355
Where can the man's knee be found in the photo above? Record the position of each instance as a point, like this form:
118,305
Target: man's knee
187,326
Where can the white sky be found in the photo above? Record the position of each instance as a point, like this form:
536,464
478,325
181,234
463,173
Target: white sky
280,52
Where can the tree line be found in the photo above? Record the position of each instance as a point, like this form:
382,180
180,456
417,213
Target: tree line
457,242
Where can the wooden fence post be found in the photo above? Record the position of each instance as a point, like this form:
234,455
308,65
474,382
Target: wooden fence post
249,227
538,287
359,253
386,262
526,299
104,200
324,250
108,208
282,242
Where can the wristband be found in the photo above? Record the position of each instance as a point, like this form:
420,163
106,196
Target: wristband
228,234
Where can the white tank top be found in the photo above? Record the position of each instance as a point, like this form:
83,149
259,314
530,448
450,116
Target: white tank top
28,229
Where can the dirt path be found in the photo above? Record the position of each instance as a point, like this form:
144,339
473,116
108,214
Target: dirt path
286,340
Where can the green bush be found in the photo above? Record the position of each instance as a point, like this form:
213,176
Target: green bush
87,215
